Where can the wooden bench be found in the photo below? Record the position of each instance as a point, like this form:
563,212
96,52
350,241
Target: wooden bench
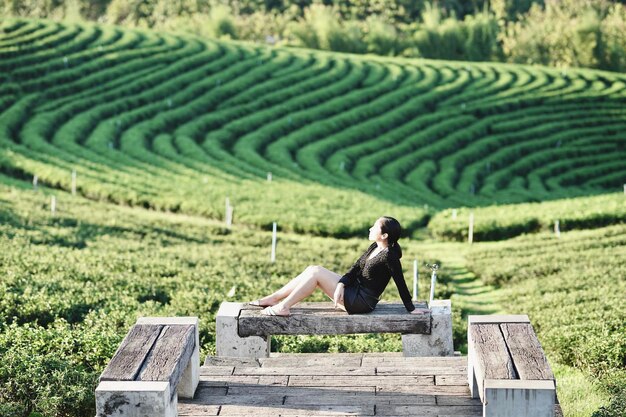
158,360
507,368
242,331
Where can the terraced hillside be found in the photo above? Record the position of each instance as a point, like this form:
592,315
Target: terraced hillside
179,123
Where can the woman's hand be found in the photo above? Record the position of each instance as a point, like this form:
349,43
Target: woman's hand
420,311
338,296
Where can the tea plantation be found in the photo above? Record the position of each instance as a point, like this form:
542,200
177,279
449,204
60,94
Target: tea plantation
161,130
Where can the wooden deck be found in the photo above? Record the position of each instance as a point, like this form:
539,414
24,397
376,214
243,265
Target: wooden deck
370,384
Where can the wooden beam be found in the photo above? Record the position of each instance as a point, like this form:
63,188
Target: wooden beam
323,318
130,356
171,354
528,357
491,359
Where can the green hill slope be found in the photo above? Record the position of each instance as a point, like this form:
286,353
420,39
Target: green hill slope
180,124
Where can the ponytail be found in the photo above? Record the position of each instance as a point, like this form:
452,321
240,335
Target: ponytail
395,247
393,229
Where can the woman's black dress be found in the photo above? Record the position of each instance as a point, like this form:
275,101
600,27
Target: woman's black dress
366,280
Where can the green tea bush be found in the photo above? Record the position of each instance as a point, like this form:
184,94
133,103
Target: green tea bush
506,221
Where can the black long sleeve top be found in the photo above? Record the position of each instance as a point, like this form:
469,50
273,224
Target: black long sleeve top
374,274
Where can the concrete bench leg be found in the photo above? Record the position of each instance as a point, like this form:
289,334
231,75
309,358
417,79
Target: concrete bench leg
439,341
228,341
191,375
135,399
519,398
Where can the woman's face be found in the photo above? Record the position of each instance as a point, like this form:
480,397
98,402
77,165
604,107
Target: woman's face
376,234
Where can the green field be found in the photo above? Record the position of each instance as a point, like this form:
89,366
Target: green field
162,129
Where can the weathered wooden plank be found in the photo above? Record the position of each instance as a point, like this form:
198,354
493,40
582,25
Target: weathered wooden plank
312,410
457,400
170,355
297,391
307,370
130,356
301,360
405,362
340,399
528,357
224,380
424,389
458,379
429,411
256,399
230,361
323,318
341,381
204,389
216,370
194,409
426,370
491,355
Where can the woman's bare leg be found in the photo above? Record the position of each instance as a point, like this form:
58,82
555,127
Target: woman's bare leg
312,278
286,289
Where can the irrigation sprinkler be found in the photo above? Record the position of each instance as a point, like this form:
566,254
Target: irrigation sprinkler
273,255
433,280
416,275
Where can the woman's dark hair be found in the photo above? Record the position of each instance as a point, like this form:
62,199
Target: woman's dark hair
393,229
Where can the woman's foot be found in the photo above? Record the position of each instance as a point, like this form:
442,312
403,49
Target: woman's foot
257,303
275,311
264,302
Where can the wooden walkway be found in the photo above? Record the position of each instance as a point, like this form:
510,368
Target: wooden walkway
370,384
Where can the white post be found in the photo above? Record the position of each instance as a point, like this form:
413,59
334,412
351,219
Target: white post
433,280
53,204
415,277
36,180
470,235
453,214
228,213
229,216
73,182
624,189
273,256
269,177
557,231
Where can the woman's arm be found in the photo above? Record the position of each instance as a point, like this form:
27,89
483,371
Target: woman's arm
398,276
350,277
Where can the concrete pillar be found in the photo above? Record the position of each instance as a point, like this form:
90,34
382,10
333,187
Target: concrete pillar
191,375
135,399
439,341
518,398
228,342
